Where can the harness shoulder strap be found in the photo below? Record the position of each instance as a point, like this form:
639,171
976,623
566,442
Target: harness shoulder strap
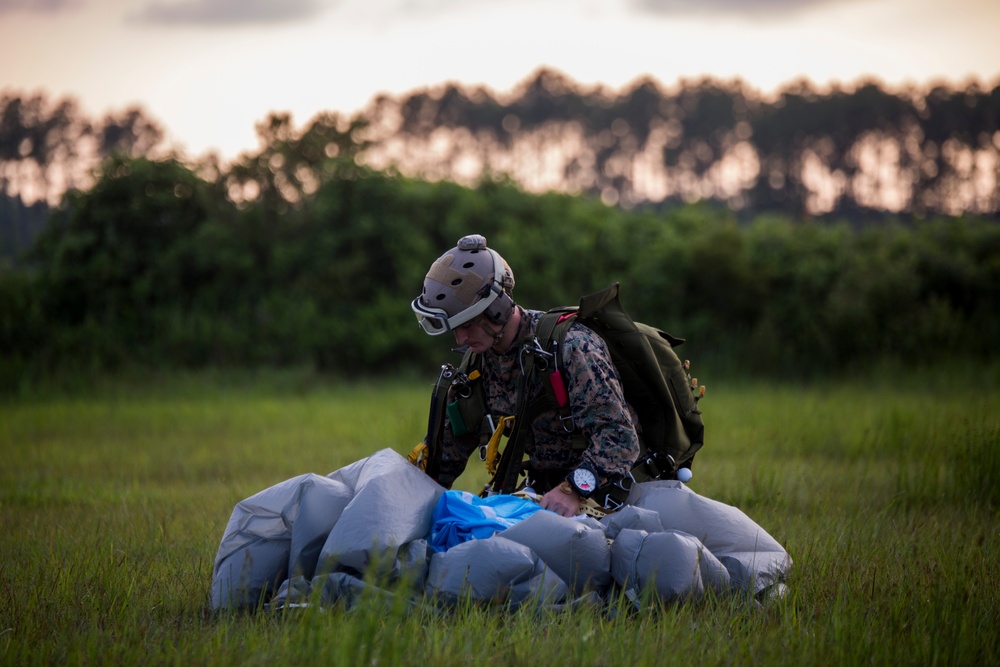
557,318
551,331
509,468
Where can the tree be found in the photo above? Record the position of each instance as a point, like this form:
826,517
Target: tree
48,148
116,253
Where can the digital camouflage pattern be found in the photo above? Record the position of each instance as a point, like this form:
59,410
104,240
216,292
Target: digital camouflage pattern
606,423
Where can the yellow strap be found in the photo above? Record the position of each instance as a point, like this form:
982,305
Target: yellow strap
419,455
493,447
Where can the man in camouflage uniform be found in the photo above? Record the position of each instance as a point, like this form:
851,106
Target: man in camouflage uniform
468,291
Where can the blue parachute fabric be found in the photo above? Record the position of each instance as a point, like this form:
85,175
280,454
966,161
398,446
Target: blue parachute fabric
460,516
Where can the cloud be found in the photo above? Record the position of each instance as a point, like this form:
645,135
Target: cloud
749,8
37,6
230,12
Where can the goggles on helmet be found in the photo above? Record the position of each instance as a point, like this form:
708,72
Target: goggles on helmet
435,321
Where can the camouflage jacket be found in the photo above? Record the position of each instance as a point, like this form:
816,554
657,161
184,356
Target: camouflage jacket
608,426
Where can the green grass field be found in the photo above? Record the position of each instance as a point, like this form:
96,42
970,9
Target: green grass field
113,498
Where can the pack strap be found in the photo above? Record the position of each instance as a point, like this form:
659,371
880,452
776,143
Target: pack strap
493,447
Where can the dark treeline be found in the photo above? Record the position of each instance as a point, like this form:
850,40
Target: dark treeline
802,151
312,261
854,152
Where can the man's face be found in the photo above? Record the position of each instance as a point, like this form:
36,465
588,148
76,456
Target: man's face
474,335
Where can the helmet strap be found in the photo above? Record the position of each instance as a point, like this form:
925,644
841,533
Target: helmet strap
497,334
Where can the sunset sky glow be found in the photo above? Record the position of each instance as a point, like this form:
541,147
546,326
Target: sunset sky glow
208,70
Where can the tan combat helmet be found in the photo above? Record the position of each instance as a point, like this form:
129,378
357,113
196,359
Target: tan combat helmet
467,281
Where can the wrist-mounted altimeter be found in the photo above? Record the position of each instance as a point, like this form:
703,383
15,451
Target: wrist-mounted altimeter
583,480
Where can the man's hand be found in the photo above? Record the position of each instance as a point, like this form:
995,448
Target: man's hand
562,500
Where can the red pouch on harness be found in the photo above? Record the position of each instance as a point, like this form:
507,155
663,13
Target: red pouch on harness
558,388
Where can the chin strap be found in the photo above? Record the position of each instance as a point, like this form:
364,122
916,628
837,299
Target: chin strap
497,335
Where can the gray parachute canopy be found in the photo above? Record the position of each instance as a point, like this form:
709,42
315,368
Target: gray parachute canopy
315,538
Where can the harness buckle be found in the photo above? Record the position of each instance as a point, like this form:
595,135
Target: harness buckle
612,505
461,385
543,358
572,424
621,482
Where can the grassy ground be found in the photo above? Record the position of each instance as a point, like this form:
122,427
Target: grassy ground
113,498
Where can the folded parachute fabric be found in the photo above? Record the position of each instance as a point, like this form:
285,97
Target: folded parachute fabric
494,570
754,559
357,517
317,539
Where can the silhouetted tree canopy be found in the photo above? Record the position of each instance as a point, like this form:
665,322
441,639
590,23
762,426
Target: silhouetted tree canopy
49,147
804,152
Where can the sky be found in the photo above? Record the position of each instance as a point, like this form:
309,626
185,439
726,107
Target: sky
209,70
